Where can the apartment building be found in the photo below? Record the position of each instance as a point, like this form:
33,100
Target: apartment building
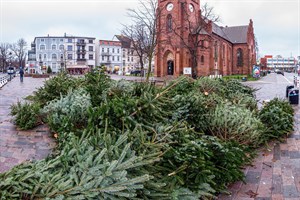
75,54
130,59
109,54
280,63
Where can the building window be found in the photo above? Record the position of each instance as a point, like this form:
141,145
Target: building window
91,48
131,59
45,56
113,50
169,23
128,59
53,65
202,59
118,50
118,58
113,58
239,56
102,58
107,50
40,56
91,57
102,50
69,40
61,47
54,56
61,40
70,57
61,56
91,41
70,48
42,47
216,53
42,40
53,47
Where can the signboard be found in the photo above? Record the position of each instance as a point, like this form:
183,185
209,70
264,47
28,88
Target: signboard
187,70
256,71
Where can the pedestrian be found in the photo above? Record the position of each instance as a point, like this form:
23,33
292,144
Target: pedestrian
21,74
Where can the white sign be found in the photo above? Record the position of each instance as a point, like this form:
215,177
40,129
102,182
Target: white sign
187,70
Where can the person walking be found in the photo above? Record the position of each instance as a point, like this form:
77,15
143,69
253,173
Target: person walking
21,74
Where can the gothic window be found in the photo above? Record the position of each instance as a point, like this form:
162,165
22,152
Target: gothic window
239,57
216,51
202,59
169,23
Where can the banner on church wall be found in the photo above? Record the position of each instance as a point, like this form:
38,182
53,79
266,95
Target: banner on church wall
187,70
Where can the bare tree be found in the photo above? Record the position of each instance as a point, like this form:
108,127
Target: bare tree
20,51
135,34
143,32
197,33
5,55
63,60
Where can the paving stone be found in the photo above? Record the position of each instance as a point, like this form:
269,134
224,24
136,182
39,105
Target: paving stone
277,184
294,136
294,154
253,177
290,191
276,155
284,153
277,197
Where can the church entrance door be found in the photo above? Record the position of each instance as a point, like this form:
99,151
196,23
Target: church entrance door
171,67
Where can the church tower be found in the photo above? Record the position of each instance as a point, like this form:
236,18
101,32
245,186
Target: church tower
176,19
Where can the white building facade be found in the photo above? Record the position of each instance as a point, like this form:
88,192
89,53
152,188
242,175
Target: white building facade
110,55
281,63
70,52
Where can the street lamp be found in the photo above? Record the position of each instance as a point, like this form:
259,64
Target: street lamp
10,71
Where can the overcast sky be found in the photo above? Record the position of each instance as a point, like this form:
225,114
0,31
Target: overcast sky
276,22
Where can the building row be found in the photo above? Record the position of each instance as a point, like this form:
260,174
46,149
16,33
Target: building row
269,62
80,54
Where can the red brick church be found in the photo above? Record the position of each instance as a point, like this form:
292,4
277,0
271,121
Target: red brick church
188,40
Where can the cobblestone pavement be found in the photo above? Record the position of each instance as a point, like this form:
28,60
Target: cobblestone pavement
18,146
275,173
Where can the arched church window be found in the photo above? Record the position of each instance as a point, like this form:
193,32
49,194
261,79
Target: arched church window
239,57
202,59
169,23
216,51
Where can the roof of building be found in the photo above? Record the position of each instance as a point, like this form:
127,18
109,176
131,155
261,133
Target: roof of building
110,43
126,42
65,36
234,34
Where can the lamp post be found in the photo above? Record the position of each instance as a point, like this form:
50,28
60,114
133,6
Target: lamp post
10,71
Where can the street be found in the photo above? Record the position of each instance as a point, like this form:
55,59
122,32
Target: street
271,86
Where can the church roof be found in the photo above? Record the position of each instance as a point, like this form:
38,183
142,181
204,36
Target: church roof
234,34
